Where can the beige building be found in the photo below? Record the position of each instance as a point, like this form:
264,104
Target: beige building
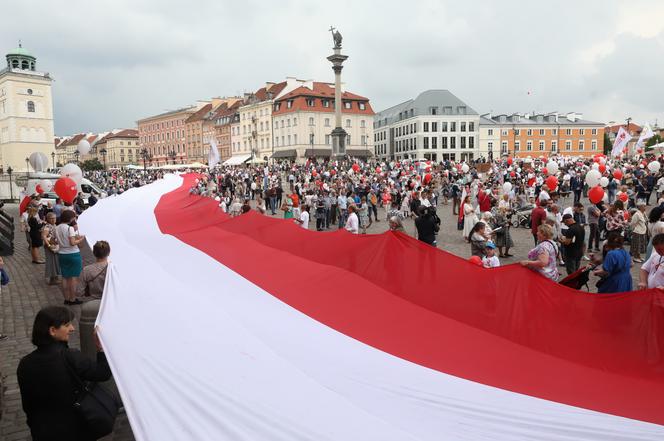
303,120
119,149
26,110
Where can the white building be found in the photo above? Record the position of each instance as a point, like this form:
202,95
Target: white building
26,110
303,120
435,126
489,138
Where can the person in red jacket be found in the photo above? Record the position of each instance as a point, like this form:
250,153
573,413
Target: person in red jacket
537,217
484,200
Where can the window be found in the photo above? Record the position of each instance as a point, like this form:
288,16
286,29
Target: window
294,121
347,123
276,107
517,146
326,103
434,142
426,142
348,105
453,143
363,106
282,123
434,126
529,146
289,104
582,145
554,146
433,110
490,146
582,131
289,140
311,120
554,132
471,126
295,139
327,122
593,144
425,127
471,142
327,139
443,126
288,122
453,126
541,132
363,123
568,145
443,142
463,142
463,126
311,102
503,147
594,131
517,132
490,133
504,133
541,146
31,106
569,132
529,132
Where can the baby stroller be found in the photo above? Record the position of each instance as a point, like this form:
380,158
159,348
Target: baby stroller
521,216
579,278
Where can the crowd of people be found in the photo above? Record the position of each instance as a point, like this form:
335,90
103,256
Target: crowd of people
575,222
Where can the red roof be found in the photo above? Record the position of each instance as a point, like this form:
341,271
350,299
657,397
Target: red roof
126,133
75,139
633,128
320,92
274,90
200,114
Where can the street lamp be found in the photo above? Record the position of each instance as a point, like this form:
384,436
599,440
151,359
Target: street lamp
103,156
11,186
76,155
144,155
27,169
53,158
311,143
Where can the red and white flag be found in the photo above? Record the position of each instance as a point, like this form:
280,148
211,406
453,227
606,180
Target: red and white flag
622,138
251,328
646,134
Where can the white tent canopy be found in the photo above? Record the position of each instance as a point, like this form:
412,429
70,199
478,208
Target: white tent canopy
237,160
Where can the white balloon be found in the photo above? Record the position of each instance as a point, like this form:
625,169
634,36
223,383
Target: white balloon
507,187
46,185
73,172
602,160
83,147
465,168
605,198
38,161
595,166
593,177
552,167
604,181
654,166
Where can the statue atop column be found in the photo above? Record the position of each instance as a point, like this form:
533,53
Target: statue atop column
336,37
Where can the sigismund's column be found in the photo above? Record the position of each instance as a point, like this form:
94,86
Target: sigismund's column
338,134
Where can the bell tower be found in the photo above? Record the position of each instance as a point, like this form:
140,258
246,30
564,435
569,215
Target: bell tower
20,58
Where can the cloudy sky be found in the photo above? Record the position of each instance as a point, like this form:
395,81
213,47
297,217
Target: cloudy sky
117,61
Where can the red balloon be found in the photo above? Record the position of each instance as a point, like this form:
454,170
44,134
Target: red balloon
39,189
66,189
510,160
356,167
412,185
333,172
427,178
596,194
378,170
24,204
513,174
623,197
545,171
617,174
551,182
475,260
602,168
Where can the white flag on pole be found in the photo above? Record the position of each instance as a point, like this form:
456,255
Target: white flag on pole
621,142
646,134
213,155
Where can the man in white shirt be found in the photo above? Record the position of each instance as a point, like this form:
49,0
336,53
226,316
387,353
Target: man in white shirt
304,217
353,223
652,272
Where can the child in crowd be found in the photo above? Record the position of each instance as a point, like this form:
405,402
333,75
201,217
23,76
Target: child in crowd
490,260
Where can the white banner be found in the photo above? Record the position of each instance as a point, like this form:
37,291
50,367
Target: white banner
621,142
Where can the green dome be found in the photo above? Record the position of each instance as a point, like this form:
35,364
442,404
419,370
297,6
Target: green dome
21,52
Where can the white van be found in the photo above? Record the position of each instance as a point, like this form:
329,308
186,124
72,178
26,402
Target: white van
29,182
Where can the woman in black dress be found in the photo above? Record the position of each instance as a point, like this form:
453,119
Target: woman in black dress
36,242
47,387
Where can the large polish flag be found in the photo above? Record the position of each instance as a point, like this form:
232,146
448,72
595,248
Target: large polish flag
251,328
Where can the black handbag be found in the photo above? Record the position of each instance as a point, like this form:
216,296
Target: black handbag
98,407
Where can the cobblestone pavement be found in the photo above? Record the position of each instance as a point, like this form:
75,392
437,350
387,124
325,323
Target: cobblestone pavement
28,292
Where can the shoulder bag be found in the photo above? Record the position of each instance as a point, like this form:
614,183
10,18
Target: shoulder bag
98,407
87,284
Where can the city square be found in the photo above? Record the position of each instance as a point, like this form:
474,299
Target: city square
268,256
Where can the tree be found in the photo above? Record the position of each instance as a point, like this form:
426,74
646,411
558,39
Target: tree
92,164
607,144
654,140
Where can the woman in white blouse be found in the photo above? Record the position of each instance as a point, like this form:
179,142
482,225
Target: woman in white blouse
352,223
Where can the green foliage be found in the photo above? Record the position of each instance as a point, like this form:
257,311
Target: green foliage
92,164
654,140
607,144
